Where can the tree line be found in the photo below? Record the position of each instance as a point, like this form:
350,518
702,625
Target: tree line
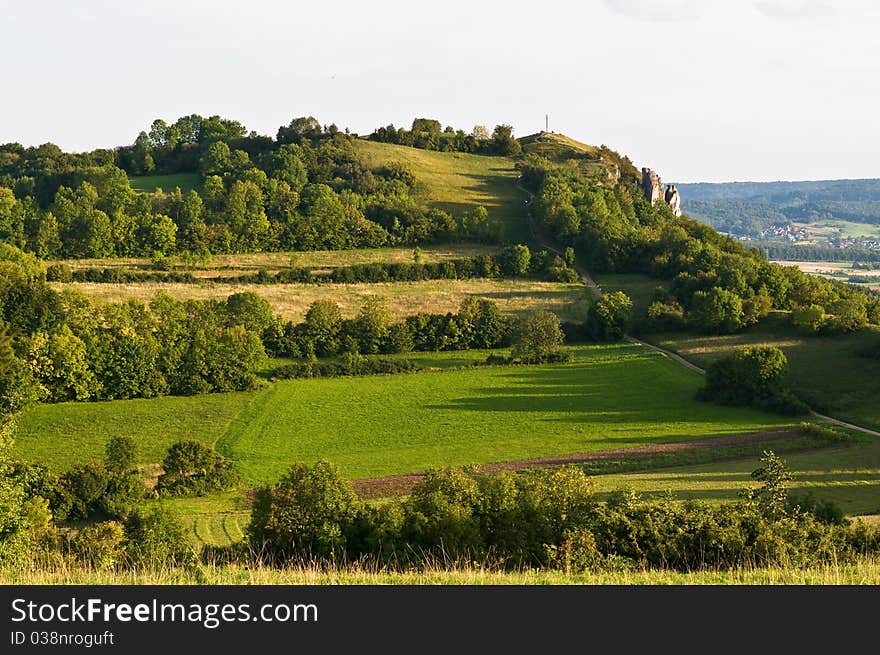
427,134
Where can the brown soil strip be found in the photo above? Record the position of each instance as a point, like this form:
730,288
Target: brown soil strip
396,485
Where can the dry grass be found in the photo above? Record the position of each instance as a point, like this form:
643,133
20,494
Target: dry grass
275,261
863,571
568,301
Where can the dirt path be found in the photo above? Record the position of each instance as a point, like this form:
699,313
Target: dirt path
596,291
395,485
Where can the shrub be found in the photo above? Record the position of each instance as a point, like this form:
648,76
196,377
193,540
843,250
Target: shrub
307,514
100,545
120,455
753,376
59,273
192,468
154,538
608,317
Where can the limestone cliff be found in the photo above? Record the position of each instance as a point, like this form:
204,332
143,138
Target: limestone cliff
652,187
673,199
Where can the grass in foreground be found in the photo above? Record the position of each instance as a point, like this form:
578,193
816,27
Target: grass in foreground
291,301
863,571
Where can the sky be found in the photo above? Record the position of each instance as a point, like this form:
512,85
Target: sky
698,90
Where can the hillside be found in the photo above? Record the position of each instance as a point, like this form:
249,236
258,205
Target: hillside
457,181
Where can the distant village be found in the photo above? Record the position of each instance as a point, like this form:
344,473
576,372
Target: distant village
798,234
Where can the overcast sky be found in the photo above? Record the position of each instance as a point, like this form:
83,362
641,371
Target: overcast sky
699,90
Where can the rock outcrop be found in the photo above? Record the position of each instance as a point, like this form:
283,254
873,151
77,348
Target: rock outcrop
652,187
673,199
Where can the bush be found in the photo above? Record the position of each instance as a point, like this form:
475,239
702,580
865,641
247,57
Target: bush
59,273
101,545
753,376
121,455
154,539
608,317
307,514
193,469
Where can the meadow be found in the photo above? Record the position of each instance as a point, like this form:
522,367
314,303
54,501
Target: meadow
568,300
848,475
243,263
610,396
827,372
457,181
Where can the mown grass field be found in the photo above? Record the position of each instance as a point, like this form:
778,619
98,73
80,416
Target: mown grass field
847,475
149,183
457,182
65,434
611,396
291,301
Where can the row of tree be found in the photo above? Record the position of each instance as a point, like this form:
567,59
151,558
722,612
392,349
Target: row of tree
426,133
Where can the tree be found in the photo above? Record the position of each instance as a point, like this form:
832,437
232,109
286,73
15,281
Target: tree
322,324
503,142
538,337
755,376
717,311
515,260
480,133
372,324
158,234
608,317
120,455
809,318
307,514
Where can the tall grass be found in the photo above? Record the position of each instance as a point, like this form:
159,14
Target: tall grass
863,571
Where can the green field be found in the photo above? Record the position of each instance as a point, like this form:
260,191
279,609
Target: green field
847,475
822,231
827,372
457,182
611,396
242,263
64,434
149,183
